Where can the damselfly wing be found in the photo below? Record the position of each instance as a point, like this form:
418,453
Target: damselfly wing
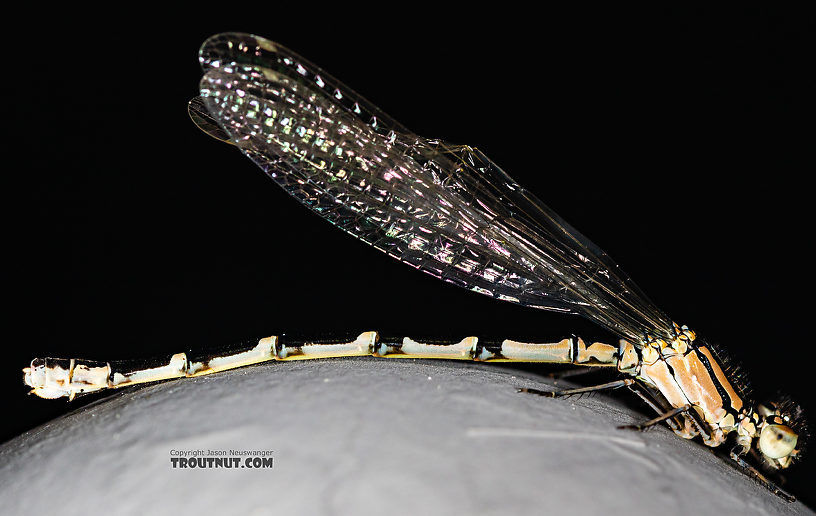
445,209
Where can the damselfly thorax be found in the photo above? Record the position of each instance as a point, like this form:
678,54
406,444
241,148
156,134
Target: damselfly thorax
451,212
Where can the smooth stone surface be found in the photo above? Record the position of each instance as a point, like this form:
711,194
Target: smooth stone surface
368,436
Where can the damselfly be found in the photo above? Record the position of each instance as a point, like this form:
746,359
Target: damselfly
449,211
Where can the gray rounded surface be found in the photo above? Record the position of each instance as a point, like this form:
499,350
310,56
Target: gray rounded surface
368,436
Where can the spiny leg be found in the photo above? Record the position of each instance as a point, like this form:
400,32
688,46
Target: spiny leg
699,424
749,470
576,371
617,384
659,419
656,404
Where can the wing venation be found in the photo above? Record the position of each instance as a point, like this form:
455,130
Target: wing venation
444,209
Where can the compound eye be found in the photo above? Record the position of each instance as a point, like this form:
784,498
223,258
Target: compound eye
777,441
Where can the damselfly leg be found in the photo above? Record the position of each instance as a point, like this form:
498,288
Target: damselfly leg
741,464
617,384
659,419
661,406
573,372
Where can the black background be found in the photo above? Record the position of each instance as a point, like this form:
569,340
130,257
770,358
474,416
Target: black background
679,141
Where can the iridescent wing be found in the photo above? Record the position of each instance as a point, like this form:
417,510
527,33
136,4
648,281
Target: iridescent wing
444,209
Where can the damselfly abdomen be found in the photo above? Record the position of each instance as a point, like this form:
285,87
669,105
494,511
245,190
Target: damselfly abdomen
449,211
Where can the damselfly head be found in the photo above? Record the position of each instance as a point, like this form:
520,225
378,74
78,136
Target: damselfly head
783,432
